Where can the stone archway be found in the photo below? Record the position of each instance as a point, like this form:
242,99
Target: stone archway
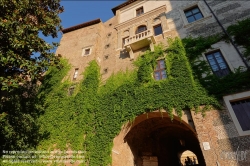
154,140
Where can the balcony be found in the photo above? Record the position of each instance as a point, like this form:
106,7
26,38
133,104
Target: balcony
139,40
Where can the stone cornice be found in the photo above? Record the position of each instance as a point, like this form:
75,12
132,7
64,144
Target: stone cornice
144,17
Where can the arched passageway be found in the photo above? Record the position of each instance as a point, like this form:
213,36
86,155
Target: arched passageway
188,158
158,141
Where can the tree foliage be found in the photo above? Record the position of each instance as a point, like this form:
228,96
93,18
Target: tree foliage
240,32
21,22
19,112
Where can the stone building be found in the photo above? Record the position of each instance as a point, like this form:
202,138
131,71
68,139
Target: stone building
222,137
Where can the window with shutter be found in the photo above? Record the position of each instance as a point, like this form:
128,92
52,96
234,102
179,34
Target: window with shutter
238,106
241,109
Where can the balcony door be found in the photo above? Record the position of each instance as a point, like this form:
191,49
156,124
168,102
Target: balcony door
140,29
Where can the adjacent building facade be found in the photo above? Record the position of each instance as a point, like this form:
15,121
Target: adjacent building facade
222,138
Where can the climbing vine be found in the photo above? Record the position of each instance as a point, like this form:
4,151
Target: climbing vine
92,116
240,33
235,81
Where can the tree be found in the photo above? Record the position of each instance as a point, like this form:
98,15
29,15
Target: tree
21,21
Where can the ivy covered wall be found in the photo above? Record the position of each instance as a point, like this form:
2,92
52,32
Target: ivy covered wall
89,119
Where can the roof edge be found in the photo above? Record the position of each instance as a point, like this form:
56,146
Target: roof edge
85,24
122,5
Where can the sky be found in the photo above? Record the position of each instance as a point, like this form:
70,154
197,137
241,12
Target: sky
80,11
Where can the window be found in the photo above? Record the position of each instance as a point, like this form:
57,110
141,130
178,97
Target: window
158,29
217,63
241,109
238,106
141,29
71,90
124,41
193,14
160,70
139,11
75,74
87,51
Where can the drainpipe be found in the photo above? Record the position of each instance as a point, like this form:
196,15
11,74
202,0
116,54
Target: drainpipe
230,39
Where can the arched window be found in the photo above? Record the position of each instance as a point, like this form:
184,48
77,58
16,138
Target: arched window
141,29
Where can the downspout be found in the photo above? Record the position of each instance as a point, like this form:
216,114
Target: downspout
230,39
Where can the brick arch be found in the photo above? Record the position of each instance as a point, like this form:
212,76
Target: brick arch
162,114
146,135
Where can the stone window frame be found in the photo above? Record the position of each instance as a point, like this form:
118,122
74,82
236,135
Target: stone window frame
87,51
141,7
84,50
71,90
193,14
223,52
200,6
157,25
76,72
234,97
223,58
124,40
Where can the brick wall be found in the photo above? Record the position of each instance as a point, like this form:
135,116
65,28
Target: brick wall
226,146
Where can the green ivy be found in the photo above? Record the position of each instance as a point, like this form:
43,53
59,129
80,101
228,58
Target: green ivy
240,33
194,48
91,118
237,81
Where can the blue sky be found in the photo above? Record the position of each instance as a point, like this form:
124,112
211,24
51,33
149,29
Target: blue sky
77,12
80,11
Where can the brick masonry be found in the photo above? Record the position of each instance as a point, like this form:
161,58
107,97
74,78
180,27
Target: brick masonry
227,147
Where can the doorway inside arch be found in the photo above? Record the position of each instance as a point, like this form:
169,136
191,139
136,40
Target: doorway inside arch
158,141
188,158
